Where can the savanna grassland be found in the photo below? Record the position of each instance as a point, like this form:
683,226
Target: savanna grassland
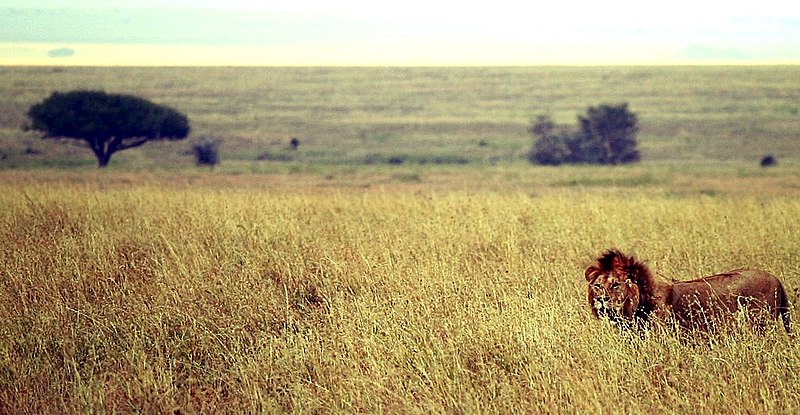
134,297
405,259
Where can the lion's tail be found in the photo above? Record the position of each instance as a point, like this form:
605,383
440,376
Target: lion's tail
784,309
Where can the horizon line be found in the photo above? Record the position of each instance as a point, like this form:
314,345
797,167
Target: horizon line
126,55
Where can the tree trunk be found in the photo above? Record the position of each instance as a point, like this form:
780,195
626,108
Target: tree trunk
102,160
101,151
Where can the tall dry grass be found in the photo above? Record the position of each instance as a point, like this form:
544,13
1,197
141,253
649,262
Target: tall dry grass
146,299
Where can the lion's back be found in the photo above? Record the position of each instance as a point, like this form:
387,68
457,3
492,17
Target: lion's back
727,291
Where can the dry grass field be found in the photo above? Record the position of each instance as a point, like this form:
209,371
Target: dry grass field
149,294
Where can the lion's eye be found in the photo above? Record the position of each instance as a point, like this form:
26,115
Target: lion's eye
597,286
614,285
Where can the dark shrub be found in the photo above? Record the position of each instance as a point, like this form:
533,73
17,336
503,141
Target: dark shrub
550,150
399,159
609,134
206,151
768,160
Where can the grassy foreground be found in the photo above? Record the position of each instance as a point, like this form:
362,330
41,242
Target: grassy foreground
142,297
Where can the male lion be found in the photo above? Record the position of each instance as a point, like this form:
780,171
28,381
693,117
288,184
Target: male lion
622,290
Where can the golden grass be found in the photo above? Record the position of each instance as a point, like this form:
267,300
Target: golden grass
145,297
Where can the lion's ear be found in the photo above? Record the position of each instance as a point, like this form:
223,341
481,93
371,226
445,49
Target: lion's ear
591,273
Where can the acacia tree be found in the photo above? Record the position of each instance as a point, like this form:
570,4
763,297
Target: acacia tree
106,122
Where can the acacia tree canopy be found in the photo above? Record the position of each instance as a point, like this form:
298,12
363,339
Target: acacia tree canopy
107,122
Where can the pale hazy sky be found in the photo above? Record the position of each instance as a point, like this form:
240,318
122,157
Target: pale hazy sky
411,32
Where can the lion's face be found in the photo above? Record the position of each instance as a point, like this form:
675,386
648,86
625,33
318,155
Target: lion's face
612,294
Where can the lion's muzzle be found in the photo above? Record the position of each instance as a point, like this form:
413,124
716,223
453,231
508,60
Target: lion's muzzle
606,310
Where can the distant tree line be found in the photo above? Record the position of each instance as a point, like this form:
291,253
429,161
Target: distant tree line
605,135
109,123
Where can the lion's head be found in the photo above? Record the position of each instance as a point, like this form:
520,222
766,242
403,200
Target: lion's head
615,290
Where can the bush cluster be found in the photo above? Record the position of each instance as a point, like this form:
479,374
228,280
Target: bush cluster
605,135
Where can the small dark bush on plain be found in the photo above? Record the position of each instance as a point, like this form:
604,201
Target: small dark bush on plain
396,160
294,143
206,152
768,160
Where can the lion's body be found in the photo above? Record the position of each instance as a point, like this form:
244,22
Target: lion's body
623,289
715,296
